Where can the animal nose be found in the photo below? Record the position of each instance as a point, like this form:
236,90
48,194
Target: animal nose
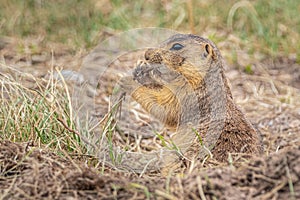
153,56
148,54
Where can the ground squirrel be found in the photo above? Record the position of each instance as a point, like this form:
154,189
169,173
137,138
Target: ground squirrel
182,83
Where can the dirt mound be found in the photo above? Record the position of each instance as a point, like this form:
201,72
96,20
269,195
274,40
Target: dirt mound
31,173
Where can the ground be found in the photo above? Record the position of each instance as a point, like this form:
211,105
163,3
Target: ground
268,92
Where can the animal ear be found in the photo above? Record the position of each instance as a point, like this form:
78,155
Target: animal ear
208,51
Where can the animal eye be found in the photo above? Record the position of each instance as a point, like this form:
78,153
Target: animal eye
177,47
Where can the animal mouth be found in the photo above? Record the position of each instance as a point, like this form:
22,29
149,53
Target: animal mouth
153,74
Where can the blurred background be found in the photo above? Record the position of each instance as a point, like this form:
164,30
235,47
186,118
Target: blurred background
259,28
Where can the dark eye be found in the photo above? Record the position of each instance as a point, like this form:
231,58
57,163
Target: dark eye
176,47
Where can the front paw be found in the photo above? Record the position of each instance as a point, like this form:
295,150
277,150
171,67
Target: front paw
145,74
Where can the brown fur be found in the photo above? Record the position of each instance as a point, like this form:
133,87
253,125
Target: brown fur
188,86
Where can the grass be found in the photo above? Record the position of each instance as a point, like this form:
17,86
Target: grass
40,111
44,115
35,114
271,27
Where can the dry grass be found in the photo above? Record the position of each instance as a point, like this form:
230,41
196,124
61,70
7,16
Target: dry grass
37,111
41,153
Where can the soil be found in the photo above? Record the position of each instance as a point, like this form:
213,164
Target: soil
31,173
269,96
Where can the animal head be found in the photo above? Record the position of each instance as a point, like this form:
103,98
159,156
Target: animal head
193,48
185,48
